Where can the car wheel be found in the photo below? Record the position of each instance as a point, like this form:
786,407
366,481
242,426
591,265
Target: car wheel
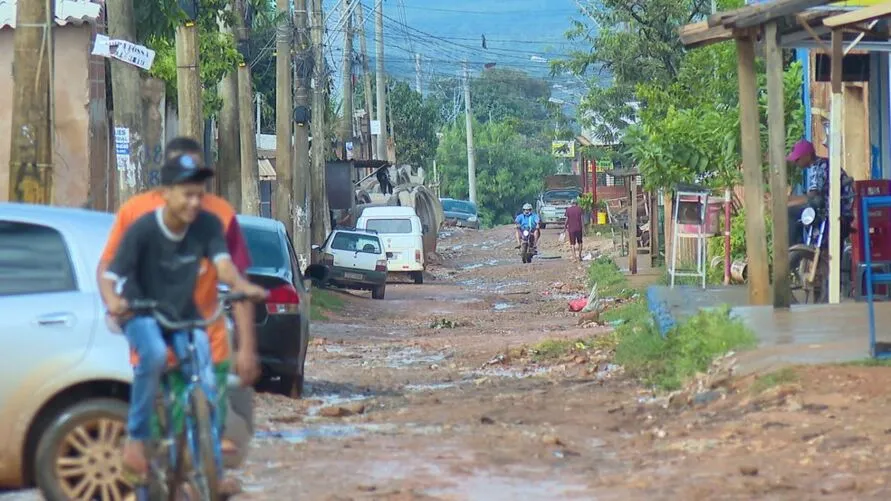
289,385
418,277
79,452
379,292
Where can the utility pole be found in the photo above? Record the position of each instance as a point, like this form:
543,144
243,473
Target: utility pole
189,103
346,125
284,108
321,217
468,118
381,81
31,147
418,73
126,90
249,172
229,165
302,167
369,106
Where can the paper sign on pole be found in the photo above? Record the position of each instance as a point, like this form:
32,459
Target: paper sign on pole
375,127
122,50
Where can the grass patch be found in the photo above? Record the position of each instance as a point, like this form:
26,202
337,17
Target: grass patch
869,362
609,279
688,349
551,349
627,312
324,302
767,381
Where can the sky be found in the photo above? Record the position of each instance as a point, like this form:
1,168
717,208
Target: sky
520,34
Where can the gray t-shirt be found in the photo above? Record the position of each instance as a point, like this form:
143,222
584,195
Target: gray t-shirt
157,264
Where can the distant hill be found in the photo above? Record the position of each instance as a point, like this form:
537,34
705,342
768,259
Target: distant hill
445,33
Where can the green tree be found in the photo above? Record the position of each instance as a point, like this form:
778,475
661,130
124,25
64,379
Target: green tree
415,123
509,171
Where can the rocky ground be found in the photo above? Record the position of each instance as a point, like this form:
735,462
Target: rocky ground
438,393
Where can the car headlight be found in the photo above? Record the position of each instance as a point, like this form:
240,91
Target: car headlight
471,218
808,215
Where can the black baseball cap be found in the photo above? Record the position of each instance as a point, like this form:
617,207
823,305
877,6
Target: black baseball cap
183,169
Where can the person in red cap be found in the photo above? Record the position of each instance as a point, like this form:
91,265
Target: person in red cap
804,156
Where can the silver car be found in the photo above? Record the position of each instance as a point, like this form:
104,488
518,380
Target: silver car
65,379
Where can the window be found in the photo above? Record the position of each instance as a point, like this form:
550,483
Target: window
355,242
459,206
265,247
389,226
33,260
560,195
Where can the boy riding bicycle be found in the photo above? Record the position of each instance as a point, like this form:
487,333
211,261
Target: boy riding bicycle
160,259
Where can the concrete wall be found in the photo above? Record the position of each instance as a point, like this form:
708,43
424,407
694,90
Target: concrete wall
71,179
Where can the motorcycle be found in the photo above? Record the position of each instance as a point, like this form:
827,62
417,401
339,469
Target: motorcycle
809,261
527,247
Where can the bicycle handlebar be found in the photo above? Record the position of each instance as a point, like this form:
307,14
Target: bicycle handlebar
154,307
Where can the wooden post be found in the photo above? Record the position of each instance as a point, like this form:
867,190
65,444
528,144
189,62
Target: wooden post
250,175
778,185
835,161
229,164
321,216
189,103
632,227
654,230
284,111
366,76
756,238
346,124
31,148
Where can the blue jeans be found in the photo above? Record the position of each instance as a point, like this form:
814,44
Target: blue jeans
144,335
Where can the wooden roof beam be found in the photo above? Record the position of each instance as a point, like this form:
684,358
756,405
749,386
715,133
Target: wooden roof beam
859,16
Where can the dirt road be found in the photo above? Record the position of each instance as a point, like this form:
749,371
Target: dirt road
428,395
436,393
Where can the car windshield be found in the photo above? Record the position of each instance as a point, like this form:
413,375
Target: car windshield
265,247
458,206
561,195
389,226
356,242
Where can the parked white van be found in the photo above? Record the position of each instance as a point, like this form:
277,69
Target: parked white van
400,230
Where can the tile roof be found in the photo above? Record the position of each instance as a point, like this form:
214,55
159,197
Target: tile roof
67,12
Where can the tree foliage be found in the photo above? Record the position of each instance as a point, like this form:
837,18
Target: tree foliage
415,123
509,172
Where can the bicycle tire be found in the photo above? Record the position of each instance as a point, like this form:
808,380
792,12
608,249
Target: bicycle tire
202,434
177,475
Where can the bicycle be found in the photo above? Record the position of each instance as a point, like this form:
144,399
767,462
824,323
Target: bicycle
198,436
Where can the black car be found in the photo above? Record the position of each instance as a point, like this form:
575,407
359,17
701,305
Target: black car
283,320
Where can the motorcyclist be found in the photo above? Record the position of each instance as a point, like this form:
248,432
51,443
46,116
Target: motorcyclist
527,220
803,155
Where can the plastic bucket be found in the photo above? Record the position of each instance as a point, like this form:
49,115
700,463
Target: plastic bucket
601,218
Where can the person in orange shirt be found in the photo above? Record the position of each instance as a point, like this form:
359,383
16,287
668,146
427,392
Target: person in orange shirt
246,361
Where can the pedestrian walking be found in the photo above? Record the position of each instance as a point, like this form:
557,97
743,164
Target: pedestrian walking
575,227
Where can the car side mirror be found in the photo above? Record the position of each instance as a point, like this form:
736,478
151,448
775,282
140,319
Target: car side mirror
315,247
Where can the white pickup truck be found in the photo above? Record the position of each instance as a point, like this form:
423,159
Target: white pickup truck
559,191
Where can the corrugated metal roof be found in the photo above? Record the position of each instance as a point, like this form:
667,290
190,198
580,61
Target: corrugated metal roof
67,12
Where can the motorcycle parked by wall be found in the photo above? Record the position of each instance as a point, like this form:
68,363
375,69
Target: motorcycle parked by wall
527,247
809,261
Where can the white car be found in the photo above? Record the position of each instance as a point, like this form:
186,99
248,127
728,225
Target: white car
401,232
356,259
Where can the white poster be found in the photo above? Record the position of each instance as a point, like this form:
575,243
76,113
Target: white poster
375,127
122,50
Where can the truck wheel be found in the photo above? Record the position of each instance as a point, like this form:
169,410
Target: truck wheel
378,292
418,277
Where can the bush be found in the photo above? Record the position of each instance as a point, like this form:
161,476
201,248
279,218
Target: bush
688,349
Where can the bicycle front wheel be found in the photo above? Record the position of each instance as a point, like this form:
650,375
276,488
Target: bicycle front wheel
205,464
